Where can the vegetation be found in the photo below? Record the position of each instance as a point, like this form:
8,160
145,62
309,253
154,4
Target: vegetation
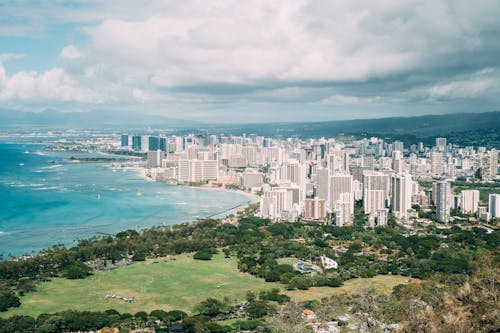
452,262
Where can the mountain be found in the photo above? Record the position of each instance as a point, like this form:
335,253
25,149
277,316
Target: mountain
420,126
96,119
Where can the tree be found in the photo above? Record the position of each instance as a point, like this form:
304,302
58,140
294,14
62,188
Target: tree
76,270
212,307
8,300
258,309
203,255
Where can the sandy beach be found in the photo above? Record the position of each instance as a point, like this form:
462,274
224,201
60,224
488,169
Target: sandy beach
254,198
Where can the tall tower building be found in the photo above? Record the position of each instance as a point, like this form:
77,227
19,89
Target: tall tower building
339,184
441,144
443,201
436,163
401,195
322,183
494,205
469,201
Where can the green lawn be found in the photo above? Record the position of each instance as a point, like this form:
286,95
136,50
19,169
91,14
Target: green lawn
169,284
381,283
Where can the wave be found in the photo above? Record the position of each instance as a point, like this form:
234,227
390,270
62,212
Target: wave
40,153
181,203
47,188
52,166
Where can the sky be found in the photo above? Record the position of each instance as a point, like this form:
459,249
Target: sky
251,61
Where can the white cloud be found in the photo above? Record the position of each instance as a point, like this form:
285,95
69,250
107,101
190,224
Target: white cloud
71,52
479,85
10,56
53,85
318,52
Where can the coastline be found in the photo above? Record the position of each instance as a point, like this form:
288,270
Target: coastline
254,198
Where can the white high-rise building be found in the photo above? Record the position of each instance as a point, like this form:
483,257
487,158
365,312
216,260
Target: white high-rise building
194,171
322,183
494,206
443,201
315,208
373,180
441,144
397,161
436,163
339,183
373,200
401,195
155,158
469,201
342,215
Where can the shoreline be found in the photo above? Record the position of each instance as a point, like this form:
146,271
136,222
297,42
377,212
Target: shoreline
254,198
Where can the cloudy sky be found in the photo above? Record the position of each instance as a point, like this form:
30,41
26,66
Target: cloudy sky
251,60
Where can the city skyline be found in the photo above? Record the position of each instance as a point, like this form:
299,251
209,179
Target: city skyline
252,62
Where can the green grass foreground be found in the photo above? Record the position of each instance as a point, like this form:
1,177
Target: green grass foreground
169,284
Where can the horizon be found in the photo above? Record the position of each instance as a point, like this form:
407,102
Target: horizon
251,63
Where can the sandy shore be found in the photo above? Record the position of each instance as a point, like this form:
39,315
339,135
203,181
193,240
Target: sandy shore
143,172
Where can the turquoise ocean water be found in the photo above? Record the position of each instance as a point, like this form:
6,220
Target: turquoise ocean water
47,200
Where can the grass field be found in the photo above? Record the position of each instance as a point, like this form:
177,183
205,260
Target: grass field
381,283
169,284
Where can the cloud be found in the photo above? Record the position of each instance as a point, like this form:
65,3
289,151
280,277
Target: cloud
71,52
478,85
10,56
311,53
53,85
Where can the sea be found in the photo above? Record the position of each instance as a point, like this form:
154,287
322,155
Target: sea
45,199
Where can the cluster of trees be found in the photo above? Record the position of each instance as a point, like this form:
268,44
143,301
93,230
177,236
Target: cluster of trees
73,321
259,245
442,303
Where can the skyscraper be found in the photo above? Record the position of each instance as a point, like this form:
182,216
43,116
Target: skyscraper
469,201
339,183
443,201
401,195
494,205
124,140
436,163
441,144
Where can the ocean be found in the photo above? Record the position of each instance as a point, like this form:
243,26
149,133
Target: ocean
45,199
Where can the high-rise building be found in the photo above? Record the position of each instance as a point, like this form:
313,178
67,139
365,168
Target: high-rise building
145,143
489,165
398,146
194,171
374,180
382,217
401,195
322,183
494,206
154,143
436,163
373,200
397,161
137,142
339,184
315,208
155,158
124,140
441,144
443,201
469,201
341,214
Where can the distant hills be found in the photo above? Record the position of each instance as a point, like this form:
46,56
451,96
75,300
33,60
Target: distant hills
96,119
420,126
